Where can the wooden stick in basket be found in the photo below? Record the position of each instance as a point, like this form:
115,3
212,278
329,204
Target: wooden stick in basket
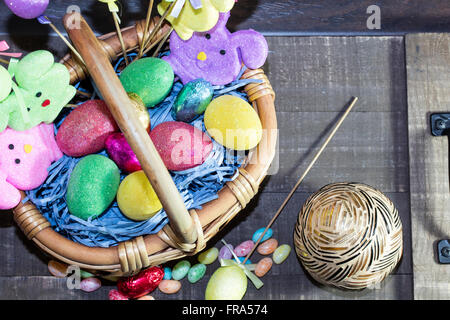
103,74
324,145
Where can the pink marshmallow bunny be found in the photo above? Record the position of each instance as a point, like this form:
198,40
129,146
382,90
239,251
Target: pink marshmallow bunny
216,55
24,159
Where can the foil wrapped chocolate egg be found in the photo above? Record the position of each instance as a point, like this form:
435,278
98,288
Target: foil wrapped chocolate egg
141,110
192,100
121,153
141,284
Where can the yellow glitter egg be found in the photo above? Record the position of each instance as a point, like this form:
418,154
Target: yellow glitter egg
136,198
233,123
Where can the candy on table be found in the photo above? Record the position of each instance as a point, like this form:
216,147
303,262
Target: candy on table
116,295
192,18
85,130
147,297
180,270
5,83
225,252
121,153
167,273
141,284
27,9
244,248
241,259
208,256
57,269
263,266
267,247
141,110
136,197
43,89
90,284
233,123
196,272
150,78
217,55
258,233
25,157
169,286
281,253
192,100
181,145
92,186
227,283
84,274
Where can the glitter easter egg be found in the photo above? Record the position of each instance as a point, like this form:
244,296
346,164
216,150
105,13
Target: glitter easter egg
227,283
92,186
233,123
136,197
181,145
27,9
150,78
192,100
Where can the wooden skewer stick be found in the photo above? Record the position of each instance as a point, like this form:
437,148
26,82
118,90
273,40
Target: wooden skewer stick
155,43
147,24
4,61
71,47
161,43
158,26
119,34
341,120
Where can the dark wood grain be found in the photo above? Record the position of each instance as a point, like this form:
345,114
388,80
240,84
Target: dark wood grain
428,65
314,77
299,17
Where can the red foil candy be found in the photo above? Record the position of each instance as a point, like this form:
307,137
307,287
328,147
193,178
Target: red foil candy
141,284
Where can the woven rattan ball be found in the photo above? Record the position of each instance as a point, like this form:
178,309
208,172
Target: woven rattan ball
349,235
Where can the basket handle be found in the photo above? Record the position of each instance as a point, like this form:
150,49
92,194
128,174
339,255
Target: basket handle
119,104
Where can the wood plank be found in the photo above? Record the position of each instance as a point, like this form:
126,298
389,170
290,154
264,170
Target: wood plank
428,67
299,17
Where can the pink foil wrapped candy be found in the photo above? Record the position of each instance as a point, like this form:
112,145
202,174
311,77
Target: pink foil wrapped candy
121,153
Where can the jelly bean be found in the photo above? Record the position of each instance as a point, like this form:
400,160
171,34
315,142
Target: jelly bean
241,259
225,252
208,256
90,284
244,248
116,295
146,298
267,247
281,253
181,269
263,266
169,286
227,283
57,269
258,233
196,273
85,274
167,273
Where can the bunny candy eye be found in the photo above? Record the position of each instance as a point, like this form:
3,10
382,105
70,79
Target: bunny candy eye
38,95
223,52
17,161
11,147
208,36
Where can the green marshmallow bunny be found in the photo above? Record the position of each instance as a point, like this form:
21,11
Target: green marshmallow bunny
43,89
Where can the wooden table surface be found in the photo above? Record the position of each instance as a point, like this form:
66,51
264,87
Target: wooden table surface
314,77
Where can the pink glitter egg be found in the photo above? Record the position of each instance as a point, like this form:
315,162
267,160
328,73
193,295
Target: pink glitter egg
181,145
85,129
121,153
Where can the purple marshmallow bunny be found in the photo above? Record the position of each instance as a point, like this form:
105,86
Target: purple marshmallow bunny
216,55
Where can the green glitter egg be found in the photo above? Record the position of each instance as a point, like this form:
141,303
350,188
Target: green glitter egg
150,78
92,186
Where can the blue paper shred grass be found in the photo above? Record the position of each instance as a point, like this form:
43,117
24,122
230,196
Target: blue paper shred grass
197,186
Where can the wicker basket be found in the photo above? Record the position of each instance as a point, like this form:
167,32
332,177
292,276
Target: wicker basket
187,232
